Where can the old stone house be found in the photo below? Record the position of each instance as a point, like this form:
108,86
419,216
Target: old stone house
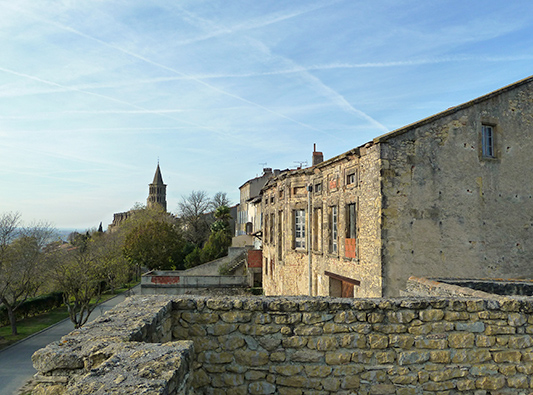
448,196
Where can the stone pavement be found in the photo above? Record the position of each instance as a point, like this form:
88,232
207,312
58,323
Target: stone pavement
16,367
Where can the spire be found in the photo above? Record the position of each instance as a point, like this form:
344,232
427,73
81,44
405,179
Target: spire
158,178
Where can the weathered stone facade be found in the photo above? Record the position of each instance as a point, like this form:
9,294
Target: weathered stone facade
449,196
288,345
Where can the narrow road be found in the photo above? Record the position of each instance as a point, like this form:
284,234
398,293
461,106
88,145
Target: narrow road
15,362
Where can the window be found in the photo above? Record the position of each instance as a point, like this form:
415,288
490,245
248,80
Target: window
266,229
350,178
317,229
351,232
280,236
272,200
333,226
487,141
299,228
271,230
318,187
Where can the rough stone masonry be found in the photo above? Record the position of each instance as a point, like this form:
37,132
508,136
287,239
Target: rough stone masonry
297,345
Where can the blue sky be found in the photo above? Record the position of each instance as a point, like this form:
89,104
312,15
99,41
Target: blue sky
93,93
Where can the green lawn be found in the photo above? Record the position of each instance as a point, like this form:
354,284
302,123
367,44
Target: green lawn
29,326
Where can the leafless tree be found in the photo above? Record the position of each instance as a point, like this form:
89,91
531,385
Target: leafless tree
220,199
193,212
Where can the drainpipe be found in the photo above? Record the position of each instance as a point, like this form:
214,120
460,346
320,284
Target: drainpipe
309,190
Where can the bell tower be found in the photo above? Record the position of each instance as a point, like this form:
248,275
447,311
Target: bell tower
157,195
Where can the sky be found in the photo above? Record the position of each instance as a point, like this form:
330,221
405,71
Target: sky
94,93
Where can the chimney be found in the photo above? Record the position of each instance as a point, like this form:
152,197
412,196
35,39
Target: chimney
267,171
318,157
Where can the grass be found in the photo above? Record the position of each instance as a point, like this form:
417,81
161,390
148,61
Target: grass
28,326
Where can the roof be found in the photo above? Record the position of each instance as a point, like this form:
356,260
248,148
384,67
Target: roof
452,110
405,129
158,179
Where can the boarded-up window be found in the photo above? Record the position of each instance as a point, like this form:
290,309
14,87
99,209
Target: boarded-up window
350,247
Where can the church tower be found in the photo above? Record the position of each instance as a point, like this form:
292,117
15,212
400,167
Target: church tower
157,195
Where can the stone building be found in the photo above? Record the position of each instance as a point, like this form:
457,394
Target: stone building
249,216
448,196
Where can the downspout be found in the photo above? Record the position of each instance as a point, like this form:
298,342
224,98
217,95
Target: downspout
309,190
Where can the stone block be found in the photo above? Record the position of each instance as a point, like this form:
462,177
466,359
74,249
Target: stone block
287,370
435,344
254,375
471,356
307,356
317,370
294,342
431,315
323,343
484,370
474,327
401,317
331,327
461,340
378,341
331,384
316,318
485,341
350,382
338,357
251,358
412,357
261,388
401,341
288,318
520,381
236,316
215,357
222,329
524,341
382,389
441,356
490,383
279,356
352,341
507,356
308,331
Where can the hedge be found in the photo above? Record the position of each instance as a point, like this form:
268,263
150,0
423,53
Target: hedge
33,307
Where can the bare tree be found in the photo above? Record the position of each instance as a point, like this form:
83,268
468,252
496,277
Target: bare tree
220,199
193,210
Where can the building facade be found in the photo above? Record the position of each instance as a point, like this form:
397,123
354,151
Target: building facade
448,196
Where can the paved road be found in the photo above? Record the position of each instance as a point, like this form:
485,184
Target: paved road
15,362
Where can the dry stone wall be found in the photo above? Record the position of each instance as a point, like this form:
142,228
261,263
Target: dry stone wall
292,345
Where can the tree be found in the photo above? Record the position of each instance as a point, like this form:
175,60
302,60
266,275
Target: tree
22,262
193,212
155,245
79,274
220,199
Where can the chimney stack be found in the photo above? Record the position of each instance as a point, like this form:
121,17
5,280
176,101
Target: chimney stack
318,157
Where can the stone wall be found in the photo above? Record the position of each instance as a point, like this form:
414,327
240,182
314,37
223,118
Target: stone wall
260,345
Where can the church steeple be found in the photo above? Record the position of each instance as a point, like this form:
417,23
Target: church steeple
157,195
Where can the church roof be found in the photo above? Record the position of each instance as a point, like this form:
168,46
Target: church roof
158,178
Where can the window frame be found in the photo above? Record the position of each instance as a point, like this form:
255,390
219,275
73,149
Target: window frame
334,230
487,141
299,229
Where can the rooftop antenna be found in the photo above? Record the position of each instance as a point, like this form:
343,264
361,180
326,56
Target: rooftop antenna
301,163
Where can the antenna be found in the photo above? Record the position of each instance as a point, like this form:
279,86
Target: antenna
301,163
263,164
